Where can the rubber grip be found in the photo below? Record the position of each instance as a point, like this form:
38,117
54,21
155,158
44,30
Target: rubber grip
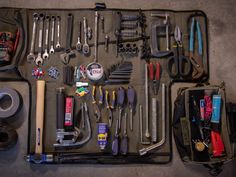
107,99
131,95
191,40
113,102
120,96
93,94
100,95
199,37
158,70
151,71
40,94
60,109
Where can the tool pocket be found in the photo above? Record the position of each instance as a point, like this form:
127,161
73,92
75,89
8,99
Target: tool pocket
200,126
12,37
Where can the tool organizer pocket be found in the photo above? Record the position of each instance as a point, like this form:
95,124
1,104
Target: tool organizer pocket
200,125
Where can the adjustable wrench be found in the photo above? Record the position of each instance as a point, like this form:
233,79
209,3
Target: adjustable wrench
85,46
45,55
31,55
79,45
53,18
58,45
65,57
39,59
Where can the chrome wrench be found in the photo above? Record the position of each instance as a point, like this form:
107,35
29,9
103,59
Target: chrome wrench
53,18
45,55
147,133
58,45
79,45
31,55
85,46
39,59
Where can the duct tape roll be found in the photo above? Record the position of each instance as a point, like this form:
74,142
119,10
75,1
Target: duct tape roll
8,137
10,102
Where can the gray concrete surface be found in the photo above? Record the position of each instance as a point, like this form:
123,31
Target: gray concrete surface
222,40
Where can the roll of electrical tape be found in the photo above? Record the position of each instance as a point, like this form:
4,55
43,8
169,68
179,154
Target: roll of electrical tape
10,102
8,137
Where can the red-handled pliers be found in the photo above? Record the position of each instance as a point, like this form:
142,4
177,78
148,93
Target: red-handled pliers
154,76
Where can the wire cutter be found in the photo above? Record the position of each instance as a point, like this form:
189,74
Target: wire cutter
110,106
154,76
197,61
97,111
178,65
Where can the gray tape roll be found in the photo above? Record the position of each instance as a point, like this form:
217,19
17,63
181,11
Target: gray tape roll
10,102
8,137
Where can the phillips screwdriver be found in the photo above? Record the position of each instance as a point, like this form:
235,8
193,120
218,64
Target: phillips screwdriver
131,102
124,141
154,76
120,102
115,143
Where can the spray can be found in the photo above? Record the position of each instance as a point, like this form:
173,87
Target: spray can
216,105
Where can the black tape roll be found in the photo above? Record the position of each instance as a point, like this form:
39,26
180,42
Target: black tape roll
10,102
8,137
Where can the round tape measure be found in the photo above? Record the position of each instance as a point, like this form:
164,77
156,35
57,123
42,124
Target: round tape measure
94,71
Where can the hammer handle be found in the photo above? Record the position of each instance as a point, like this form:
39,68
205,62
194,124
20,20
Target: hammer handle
40,92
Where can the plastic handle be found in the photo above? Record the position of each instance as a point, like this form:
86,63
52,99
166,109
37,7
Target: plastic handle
93,94
191,40
100,95
151,71
131,95
158,70
199,36
113,102
107,99
120,96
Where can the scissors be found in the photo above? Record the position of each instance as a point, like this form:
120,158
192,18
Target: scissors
178,65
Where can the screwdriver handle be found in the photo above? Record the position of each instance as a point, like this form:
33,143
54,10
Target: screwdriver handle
158,71
151,71
100,95
113,101
131,95
93,94
107,99
120,96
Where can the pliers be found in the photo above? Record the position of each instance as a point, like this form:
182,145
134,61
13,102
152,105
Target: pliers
110,105
196,60
154,76
97,111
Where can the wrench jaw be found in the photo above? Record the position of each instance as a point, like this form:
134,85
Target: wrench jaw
45,55
78,45
86,49
39,60
51,50
58,45
30,57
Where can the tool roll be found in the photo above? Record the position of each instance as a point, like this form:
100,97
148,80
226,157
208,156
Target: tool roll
106,78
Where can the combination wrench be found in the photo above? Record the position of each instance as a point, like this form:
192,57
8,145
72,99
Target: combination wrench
45,55
39,59
85,46
31,55
79,45
58,45
53,18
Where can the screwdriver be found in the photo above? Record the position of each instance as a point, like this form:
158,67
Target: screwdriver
131,102
120,102
115,143
124,141
111,106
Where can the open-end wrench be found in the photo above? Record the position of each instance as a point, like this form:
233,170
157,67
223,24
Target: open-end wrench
45,54
31,55
79,45
85,46
39,59
53,18
58,45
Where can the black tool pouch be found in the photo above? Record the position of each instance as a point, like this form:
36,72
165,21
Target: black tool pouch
185,131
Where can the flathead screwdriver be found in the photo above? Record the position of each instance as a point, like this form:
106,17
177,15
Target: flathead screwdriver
120,103
115,143
131,102
124,141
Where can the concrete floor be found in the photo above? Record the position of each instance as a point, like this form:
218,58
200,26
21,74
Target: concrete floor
222,40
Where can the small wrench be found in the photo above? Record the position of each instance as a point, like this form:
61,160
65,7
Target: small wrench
79,45
45,55
147,133
85,46
58,45
53,18
31,55
39,59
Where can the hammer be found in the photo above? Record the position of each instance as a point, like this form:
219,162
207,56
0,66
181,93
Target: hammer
38,156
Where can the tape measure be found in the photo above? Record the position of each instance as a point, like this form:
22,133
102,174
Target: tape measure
94,71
